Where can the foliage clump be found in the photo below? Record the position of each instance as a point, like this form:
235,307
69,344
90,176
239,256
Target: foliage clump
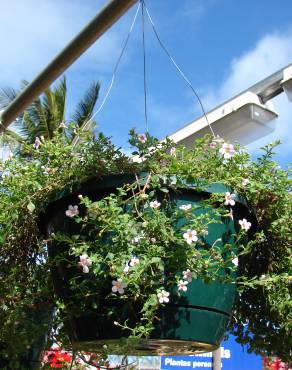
147,235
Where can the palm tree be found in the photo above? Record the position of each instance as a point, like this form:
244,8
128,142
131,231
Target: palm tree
8,138
46,115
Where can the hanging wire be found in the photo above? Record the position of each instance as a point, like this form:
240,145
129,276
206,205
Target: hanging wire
144,66
86,123
178,68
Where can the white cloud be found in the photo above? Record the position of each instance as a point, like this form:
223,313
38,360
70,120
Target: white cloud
33,32
271,53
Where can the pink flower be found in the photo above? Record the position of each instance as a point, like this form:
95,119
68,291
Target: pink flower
72,211
190,236
182,285
136,239
37,142
118,286
62,125
245,225
163,296
142,138
188,275
154,204
172,151
126,268
229,199
227,150
85,262
185,207
216,141
245,182
134,261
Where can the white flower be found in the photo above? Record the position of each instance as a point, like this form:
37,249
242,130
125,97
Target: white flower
245,225
85,262
134,261
136,159
163,296
190,236
227,150
245,182
188,275
229,199
235,261
136,239
216,141
182,285
62,125
173,151
154,204
72,211
142,138
37,143
126,268
185,207
153,240
118,286
47,170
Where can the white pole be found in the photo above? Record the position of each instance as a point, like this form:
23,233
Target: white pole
217,359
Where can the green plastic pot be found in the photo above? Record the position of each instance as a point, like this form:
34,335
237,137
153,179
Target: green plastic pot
194,322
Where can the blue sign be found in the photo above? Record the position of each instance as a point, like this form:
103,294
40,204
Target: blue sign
233,357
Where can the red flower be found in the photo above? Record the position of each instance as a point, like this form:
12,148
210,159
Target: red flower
55,365
57,358
274,364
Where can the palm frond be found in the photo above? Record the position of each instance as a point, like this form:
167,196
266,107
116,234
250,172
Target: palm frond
54,102
60,93
86,106
27,127
13,136
23,84
7,95
43,117
10,142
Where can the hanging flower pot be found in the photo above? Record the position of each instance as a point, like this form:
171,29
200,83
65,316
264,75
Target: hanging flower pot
139,263
155,263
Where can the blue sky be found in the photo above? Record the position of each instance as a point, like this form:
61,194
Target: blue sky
223,46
